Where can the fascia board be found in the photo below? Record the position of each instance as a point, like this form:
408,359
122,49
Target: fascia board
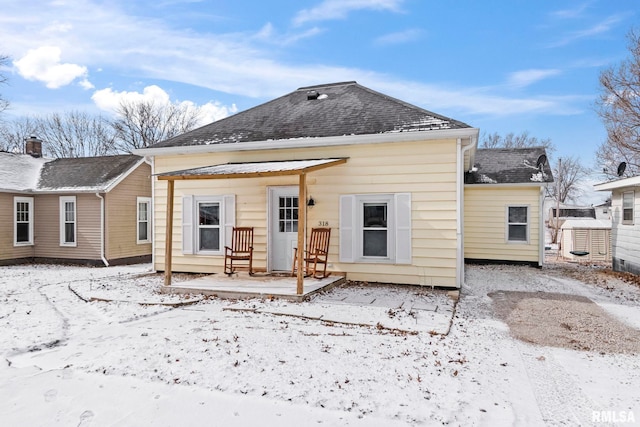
468,135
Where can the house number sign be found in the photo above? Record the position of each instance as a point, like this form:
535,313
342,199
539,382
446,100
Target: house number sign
323,223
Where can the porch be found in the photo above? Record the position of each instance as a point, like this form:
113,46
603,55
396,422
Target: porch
241,285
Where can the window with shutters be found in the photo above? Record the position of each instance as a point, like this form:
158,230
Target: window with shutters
207,222
627,207
375,228
68,228
517,224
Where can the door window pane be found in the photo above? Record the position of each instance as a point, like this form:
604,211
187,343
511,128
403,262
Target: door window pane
288,214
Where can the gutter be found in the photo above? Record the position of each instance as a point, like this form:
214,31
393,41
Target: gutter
460,209
310,142
104,260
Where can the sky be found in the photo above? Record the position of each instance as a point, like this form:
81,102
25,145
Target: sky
500,66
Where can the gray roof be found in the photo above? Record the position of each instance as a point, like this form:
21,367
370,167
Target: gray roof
85,173
335,109
509,166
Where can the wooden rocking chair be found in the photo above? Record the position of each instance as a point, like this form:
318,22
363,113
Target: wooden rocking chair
240,252
316,254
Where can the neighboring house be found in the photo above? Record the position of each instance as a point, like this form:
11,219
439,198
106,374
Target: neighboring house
625,222
603,210
387,177
503,206
93,210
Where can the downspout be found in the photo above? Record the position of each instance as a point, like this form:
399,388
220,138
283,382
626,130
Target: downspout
541,229
460,211
104,260
153,208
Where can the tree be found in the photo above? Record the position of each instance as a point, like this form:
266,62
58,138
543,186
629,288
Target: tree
75,134
140,124
568,173
3,80
511,140
13,134
619,108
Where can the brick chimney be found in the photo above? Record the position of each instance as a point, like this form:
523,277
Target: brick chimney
33,146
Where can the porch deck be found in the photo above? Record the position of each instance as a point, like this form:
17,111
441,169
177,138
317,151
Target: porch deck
242,286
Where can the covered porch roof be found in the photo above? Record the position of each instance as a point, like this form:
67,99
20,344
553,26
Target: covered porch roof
246,170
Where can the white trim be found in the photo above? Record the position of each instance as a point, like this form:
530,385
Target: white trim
467,133
124,175
63,200
197,200
146,201
461,151
528,225
634,181
541,229
398,235
511,184
102,231
30,204
633,208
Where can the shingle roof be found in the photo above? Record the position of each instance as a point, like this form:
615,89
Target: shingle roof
317,111
84,174
19,172
509,166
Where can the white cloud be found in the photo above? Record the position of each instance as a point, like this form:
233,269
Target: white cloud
108,100
104,37
399,37
528,77
602,27
43,64
339,9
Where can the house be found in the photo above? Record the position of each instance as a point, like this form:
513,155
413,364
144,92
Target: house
386,176
93,210
503,206
625,222
603,210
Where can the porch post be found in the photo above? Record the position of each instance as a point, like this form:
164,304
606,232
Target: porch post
302,229
168,239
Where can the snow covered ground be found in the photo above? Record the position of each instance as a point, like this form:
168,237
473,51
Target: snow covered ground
340,359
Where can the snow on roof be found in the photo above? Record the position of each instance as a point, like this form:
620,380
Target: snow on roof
252,168
19,172
586,223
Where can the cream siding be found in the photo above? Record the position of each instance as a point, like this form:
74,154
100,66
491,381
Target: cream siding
485,223
47,228
7,250
121,205
426,169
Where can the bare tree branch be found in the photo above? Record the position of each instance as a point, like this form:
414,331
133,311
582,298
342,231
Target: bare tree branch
4,104
144,123
75,134
619,109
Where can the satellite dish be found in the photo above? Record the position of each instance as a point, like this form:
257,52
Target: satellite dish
621,167
541,161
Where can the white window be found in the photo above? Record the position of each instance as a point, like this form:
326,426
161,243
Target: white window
375,228
206,223
68,221
23,221
518,224
627,207
143,233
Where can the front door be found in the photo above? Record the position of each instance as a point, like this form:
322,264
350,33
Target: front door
283,227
